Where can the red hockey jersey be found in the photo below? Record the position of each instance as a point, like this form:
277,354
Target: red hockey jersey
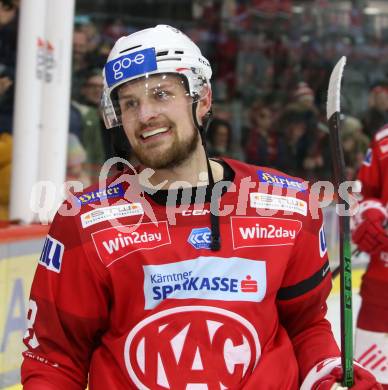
373,175
143,303
374,170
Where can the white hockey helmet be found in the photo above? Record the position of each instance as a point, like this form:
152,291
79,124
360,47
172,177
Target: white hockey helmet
159,50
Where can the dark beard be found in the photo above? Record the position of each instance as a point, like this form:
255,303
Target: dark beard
175,156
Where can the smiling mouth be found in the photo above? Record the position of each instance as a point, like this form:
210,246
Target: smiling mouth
151,133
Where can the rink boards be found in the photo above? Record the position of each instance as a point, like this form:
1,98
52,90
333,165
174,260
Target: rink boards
19,252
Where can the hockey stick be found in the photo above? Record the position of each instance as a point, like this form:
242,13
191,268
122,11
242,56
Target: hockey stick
333,117
337,269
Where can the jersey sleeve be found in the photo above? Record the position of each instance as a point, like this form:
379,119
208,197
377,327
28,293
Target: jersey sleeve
302,297
68,311
370,173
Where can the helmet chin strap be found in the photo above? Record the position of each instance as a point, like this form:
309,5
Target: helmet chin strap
215,243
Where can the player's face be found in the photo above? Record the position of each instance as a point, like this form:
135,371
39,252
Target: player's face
157,119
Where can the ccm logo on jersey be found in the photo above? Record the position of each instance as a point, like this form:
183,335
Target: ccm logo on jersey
114,243
194,212
52,253
259,200
263,231
214,278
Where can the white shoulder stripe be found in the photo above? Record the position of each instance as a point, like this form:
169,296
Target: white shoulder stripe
381,134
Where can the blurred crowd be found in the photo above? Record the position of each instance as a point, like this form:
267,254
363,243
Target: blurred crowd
269,84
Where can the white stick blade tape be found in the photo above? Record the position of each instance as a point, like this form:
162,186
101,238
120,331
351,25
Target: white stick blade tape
334,90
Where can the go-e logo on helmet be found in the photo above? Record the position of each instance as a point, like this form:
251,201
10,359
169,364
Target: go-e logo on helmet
207,346
130,65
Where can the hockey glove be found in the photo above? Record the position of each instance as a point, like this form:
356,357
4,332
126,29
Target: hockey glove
368,233
363,380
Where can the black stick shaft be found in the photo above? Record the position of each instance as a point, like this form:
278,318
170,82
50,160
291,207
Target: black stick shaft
345,254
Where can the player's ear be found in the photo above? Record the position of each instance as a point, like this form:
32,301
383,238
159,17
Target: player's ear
204,104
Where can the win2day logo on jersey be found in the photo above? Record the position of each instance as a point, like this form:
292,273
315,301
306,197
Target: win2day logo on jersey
211,278
263,231
115,243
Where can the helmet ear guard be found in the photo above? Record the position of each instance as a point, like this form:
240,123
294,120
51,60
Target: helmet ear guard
120,145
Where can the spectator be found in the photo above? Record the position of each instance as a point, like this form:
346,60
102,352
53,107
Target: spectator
76,158
317,163
354,143
298,137
226,50
5,173
262,143
377,113
95,56
304,96
80,59
220,140
8,33
93,136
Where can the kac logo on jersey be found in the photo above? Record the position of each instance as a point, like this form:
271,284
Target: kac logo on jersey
52,254
130,65
200,238
368,157
322,242
211,347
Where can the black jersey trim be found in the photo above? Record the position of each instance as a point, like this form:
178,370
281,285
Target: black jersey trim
304,286
161,196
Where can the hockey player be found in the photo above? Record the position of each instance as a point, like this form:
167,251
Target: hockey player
229,294
370,235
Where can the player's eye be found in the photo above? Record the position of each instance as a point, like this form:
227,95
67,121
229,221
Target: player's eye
162,94
129,104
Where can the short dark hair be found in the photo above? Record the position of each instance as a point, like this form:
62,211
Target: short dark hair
9,4
216,122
